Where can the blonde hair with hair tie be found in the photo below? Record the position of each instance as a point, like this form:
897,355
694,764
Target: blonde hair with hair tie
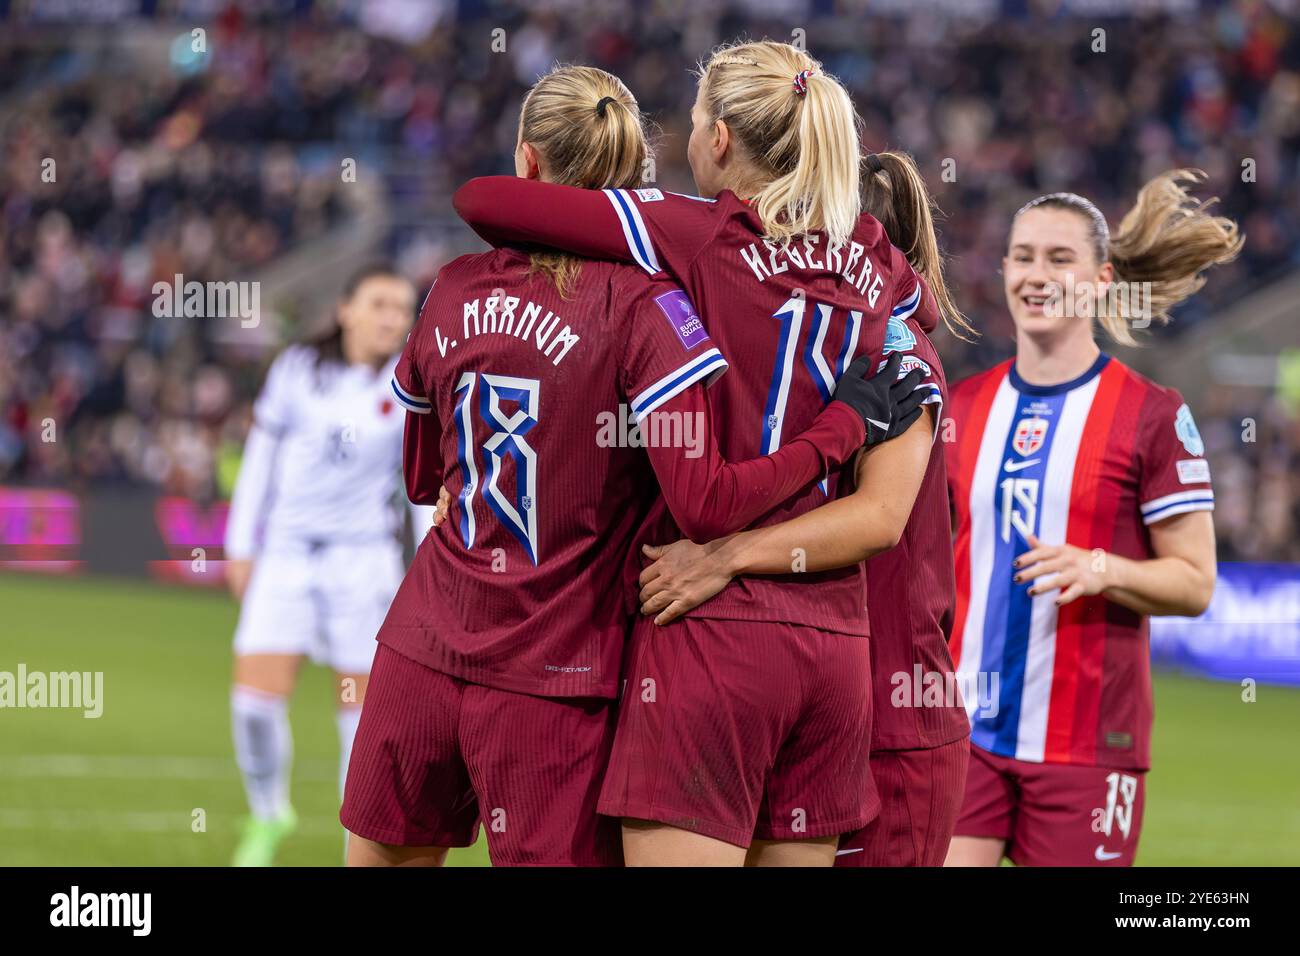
804,143
797,125
588,132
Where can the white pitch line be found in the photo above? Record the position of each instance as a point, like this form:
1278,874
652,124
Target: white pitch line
149,766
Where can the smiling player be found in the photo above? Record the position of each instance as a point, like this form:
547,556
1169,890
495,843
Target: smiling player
1082,501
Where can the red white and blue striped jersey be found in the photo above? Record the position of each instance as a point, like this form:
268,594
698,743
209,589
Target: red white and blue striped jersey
1090,463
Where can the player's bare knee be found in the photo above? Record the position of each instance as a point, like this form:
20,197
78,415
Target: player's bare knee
274,674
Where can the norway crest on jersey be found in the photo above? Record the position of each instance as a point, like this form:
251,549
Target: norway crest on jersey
1029,436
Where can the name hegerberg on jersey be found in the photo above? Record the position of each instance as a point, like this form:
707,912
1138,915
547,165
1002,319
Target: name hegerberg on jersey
778,259
500,314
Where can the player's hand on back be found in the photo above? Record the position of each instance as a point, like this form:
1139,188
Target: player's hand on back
442,507
683,576
888,404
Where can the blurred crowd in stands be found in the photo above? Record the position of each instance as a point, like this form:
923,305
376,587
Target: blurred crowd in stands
214,164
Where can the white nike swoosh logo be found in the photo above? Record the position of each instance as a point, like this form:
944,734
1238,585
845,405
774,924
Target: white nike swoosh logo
847,852
1014,466
884,425
1103,855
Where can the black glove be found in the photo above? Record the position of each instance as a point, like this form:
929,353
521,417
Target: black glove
888,404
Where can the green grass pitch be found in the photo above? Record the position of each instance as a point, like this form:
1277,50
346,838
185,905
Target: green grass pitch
153,781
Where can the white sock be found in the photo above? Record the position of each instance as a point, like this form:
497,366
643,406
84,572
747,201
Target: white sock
263,749
348,718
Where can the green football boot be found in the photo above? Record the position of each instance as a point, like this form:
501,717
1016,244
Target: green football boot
260,839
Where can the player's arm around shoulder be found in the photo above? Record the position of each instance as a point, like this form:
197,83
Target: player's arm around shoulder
510,210
924,357
666,347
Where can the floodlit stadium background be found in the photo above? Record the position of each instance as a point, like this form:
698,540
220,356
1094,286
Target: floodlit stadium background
232,163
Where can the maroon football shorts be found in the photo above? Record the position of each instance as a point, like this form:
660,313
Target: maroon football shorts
435,754
920,796
1053,814
744,731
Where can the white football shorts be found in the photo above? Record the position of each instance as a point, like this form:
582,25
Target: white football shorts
325,600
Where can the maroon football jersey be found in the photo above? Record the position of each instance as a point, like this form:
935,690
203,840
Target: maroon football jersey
554,423
531,397
912,618
789,320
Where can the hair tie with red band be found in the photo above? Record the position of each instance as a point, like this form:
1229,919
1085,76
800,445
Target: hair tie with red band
801,81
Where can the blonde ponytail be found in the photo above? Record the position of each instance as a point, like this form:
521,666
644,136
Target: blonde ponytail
1165,243
1168,239
803,143
897,196
588,132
